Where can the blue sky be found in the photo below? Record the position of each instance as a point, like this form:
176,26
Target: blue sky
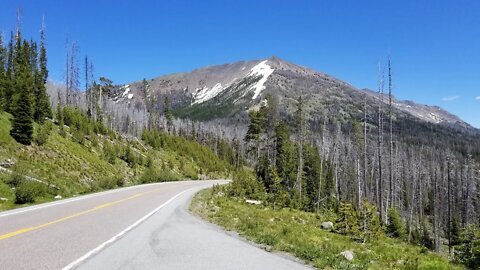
434,44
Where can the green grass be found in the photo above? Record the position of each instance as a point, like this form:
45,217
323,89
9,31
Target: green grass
299,233
82,168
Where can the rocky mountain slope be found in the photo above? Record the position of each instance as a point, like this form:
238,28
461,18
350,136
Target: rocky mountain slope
228,90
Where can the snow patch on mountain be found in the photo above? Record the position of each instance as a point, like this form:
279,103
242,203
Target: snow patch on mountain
127,89
203,94
264,70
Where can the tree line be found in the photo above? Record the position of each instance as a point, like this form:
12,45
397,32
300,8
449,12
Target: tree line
23,74
424,192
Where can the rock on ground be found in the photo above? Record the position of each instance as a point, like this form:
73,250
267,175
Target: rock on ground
327,225
253,202
347,254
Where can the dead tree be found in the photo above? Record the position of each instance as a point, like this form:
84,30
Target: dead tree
300,115
379,190
390,199
67,73
449,207
74,74
322,156
435,211
365,165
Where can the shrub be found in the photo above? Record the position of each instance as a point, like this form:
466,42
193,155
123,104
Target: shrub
94,140
77,135
395,226
369,222
15,179
189,171
168,175
43,132
246,185
425,239
278,196
107,183
109,152
347,221
152,175
129,157
120,181
19,170
468,250
28,191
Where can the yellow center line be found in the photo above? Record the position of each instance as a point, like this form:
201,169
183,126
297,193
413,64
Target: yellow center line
96,208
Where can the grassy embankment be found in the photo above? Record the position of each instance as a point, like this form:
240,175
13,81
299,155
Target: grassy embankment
76,164
299,233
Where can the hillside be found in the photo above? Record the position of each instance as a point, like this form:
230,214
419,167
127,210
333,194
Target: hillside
225,90
223,95
69,163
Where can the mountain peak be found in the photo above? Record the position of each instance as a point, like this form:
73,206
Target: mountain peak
275,58
225,90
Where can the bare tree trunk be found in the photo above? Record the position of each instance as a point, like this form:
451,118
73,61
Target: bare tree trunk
380,140
322,156
412,206
449,185
298,182
391,131
87,91
420,190
365,161
67,80
359,185
435,212
336,160
18,24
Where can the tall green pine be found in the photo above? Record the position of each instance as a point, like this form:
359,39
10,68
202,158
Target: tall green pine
22,122
284,155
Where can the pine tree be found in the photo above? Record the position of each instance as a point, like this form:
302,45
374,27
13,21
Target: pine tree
255,131
468,251
395,227
22,123
284,149
347,222
312,174
59,115
278,195
369,221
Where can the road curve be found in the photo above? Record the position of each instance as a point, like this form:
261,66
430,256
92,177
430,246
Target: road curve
140,227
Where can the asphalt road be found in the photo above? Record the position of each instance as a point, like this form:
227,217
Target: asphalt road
141,227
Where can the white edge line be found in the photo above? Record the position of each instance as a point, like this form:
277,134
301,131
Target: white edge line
69,200
122,233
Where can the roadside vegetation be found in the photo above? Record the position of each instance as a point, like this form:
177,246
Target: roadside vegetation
300,233
422,218
56,147
73,155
